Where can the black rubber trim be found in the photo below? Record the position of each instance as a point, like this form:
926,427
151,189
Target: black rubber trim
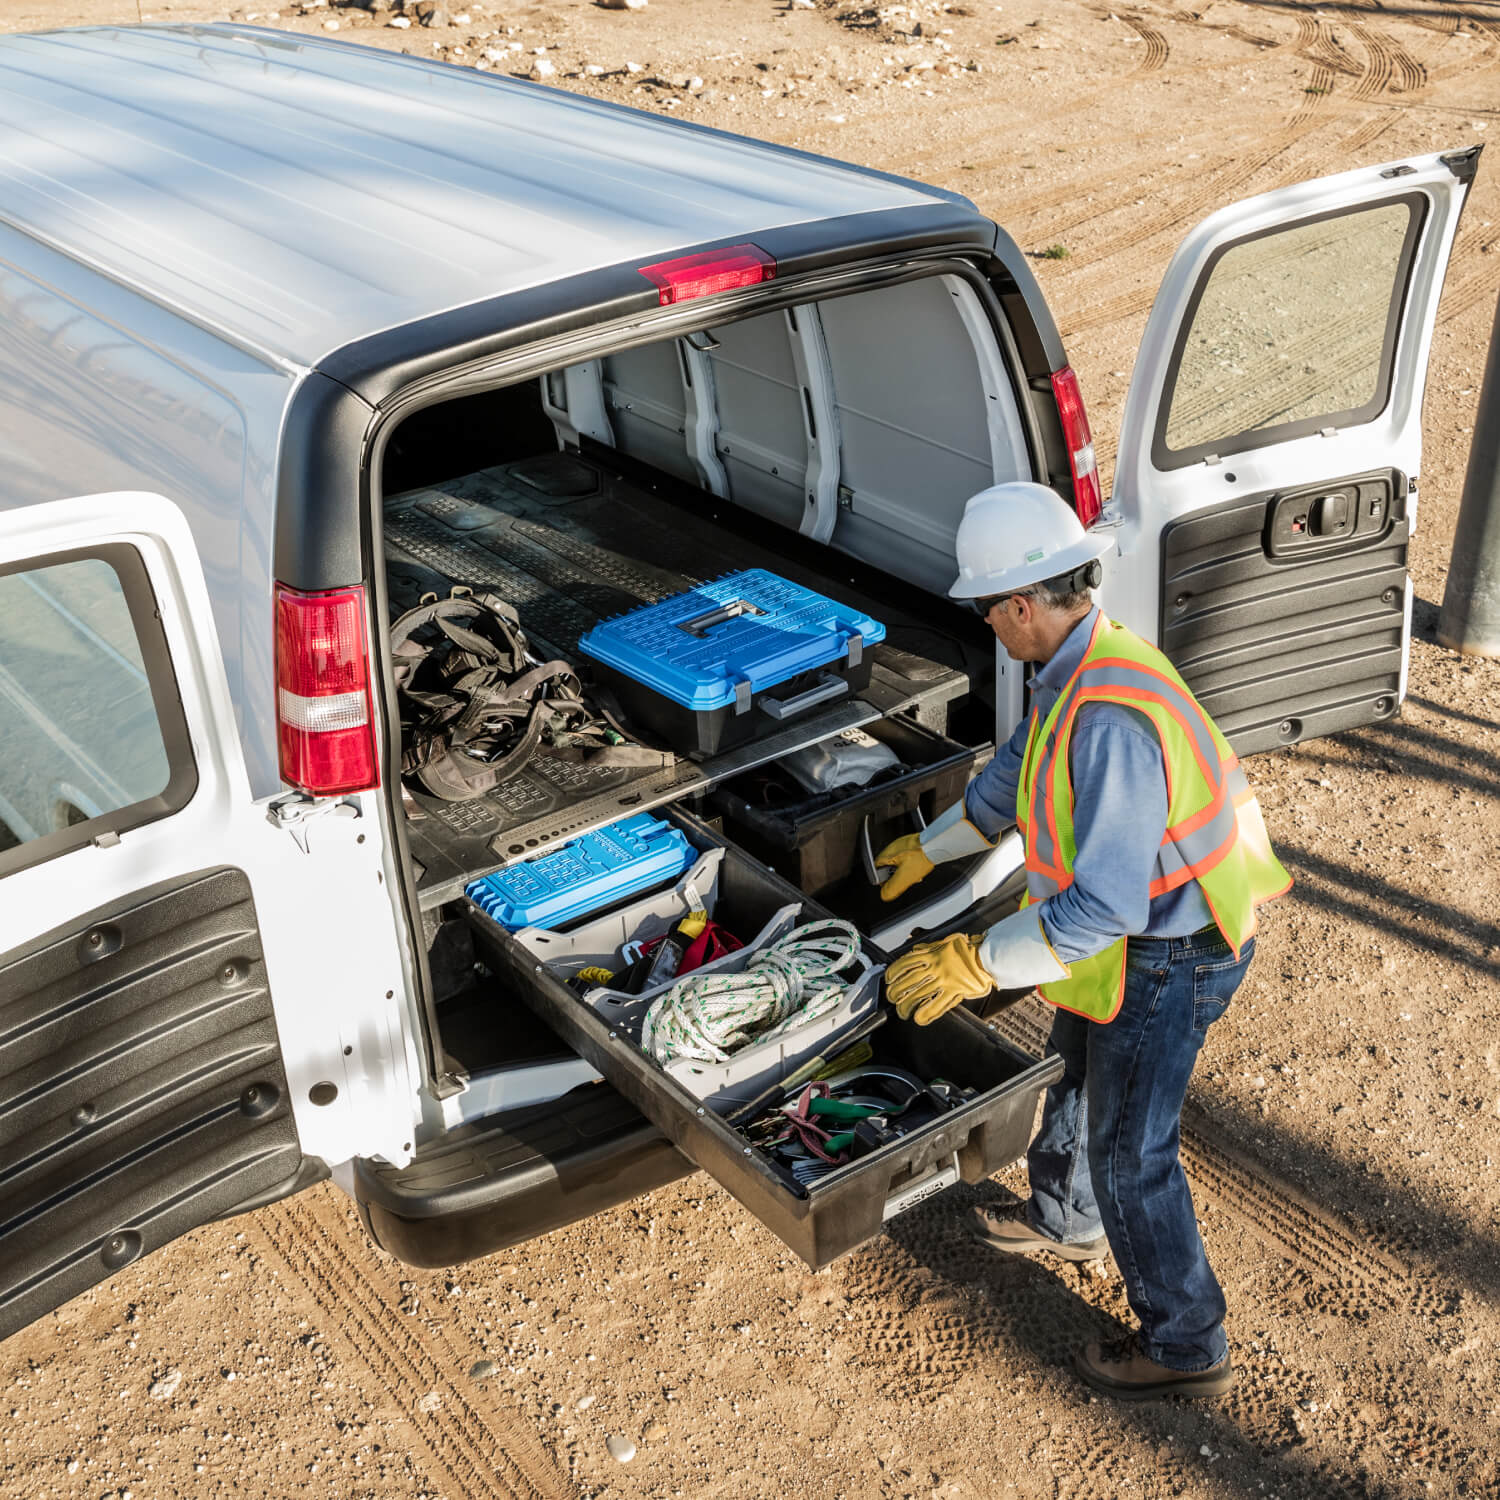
1036,333
1165,458
513,1176
1463,164
379,366
1279,643
321,487
142,1091
166,701
329,436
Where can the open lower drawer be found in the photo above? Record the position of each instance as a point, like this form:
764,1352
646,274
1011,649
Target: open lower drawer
830,1216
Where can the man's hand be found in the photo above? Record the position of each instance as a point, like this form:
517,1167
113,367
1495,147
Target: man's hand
934,977
909,862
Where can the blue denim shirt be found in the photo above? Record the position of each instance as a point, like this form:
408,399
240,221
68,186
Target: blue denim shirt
1119,817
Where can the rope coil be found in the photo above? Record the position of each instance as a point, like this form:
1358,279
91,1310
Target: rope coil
709,1017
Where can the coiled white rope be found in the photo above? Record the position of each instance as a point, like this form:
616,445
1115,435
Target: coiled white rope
709,1017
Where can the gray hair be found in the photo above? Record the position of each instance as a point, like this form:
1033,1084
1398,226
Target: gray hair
1055,593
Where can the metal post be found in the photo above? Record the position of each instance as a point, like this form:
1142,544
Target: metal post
1470,619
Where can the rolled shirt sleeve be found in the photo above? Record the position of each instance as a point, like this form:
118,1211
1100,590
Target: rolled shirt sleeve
1119,818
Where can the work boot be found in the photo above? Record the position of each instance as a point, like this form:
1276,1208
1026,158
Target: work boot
1118,1368
1016,1237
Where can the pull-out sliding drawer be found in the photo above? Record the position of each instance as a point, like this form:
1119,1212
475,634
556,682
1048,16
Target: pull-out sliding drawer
829,1216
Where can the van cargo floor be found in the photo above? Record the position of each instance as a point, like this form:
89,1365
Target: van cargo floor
569,543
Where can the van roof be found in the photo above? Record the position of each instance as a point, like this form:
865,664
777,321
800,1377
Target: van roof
299,193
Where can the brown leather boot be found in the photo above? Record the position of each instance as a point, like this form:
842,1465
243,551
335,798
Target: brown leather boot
1118,1368
1016,1237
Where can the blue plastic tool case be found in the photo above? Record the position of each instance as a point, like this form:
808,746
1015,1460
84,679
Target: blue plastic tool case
732,659
584,875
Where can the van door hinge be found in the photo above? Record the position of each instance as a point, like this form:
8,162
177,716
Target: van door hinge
1108,519
293,811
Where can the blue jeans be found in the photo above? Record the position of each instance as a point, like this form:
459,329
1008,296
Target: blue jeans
1106,1159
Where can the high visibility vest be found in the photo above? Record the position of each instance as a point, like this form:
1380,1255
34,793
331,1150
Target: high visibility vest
1215,834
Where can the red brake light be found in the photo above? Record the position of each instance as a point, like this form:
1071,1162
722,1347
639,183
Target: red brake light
713,271
1088,499
326,728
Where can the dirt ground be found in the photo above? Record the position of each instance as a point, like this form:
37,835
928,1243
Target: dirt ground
1344,1127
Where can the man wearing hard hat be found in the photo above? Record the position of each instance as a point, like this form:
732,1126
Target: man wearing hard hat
1146,858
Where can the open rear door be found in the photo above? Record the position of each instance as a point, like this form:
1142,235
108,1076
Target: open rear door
190,1023
1266,486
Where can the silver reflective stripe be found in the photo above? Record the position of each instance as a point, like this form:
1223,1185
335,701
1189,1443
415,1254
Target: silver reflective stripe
1202,842
320,715
1143,681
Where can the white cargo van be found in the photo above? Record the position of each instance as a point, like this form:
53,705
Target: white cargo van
293,333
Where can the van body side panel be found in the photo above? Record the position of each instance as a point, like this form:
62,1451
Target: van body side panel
101,390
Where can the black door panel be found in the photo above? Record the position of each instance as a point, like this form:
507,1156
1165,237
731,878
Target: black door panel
1284,612
141,1087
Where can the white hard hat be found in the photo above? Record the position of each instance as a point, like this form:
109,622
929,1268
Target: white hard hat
1016,534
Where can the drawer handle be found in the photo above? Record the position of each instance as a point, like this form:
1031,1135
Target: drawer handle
919,1192
822,691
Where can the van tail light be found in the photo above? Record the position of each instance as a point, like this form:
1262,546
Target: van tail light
326,730
713,271
1088,499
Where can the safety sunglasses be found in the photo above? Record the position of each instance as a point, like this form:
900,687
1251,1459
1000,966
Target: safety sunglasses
982,607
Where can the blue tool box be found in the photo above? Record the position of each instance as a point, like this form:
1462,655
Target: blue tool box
732,659
585,875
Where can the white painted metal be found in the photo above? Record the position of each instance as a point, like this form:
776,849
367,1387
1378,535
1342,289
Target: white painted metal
177,160
701,419
504,1089
574,399
1008,451
319,883
820,480
1148,499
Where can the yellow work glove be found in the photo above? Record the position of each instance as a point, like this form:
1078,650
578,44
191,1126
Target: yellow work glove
934,977
905,857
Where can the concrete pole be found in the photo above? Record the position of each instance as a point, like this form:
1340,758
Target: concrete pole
1470,619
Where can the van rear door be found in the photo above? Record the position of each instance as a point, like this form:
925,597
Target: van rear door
191,1011
1266,485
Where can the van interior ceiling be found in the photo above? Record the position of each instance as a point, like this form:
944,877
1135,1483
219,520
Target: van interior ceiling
834,443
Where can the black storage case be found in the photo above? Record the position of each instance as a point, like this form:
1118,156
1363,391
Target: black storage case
700,733
839,1212
815,843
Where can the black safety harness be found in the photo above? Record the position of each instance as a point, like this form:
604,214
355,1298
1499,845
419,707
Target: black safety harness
476,705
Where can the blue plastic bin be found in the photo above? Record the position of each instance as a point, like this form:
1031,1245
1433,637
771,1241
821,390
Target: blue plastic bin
584,875
733,658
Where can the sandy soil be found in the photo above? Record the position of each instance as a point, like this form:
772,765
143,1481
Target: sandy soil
1344,1128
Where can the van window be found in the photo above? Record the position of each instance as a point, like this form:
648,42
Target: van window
92,739
1292,331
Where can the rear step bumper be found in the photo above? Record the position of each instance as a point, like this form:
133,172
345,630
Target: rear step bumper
514,1176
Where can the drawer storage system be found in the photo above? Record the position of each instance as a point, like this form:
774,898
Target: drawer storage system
732,659
597,944
819,839
829,1216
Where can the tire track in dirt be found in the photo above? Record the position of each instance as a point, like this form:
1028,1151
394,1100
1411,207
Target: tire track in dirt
1074,191
1392,69
1157,50
478,1454
1317,1242
1336,1271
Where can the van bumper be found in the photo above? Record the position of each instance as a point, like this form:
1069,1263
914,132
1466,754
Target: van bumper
513,1176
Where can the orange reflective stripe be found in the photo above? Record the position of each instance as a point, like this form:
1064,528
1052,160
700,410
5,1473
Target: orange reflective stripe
1142,695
